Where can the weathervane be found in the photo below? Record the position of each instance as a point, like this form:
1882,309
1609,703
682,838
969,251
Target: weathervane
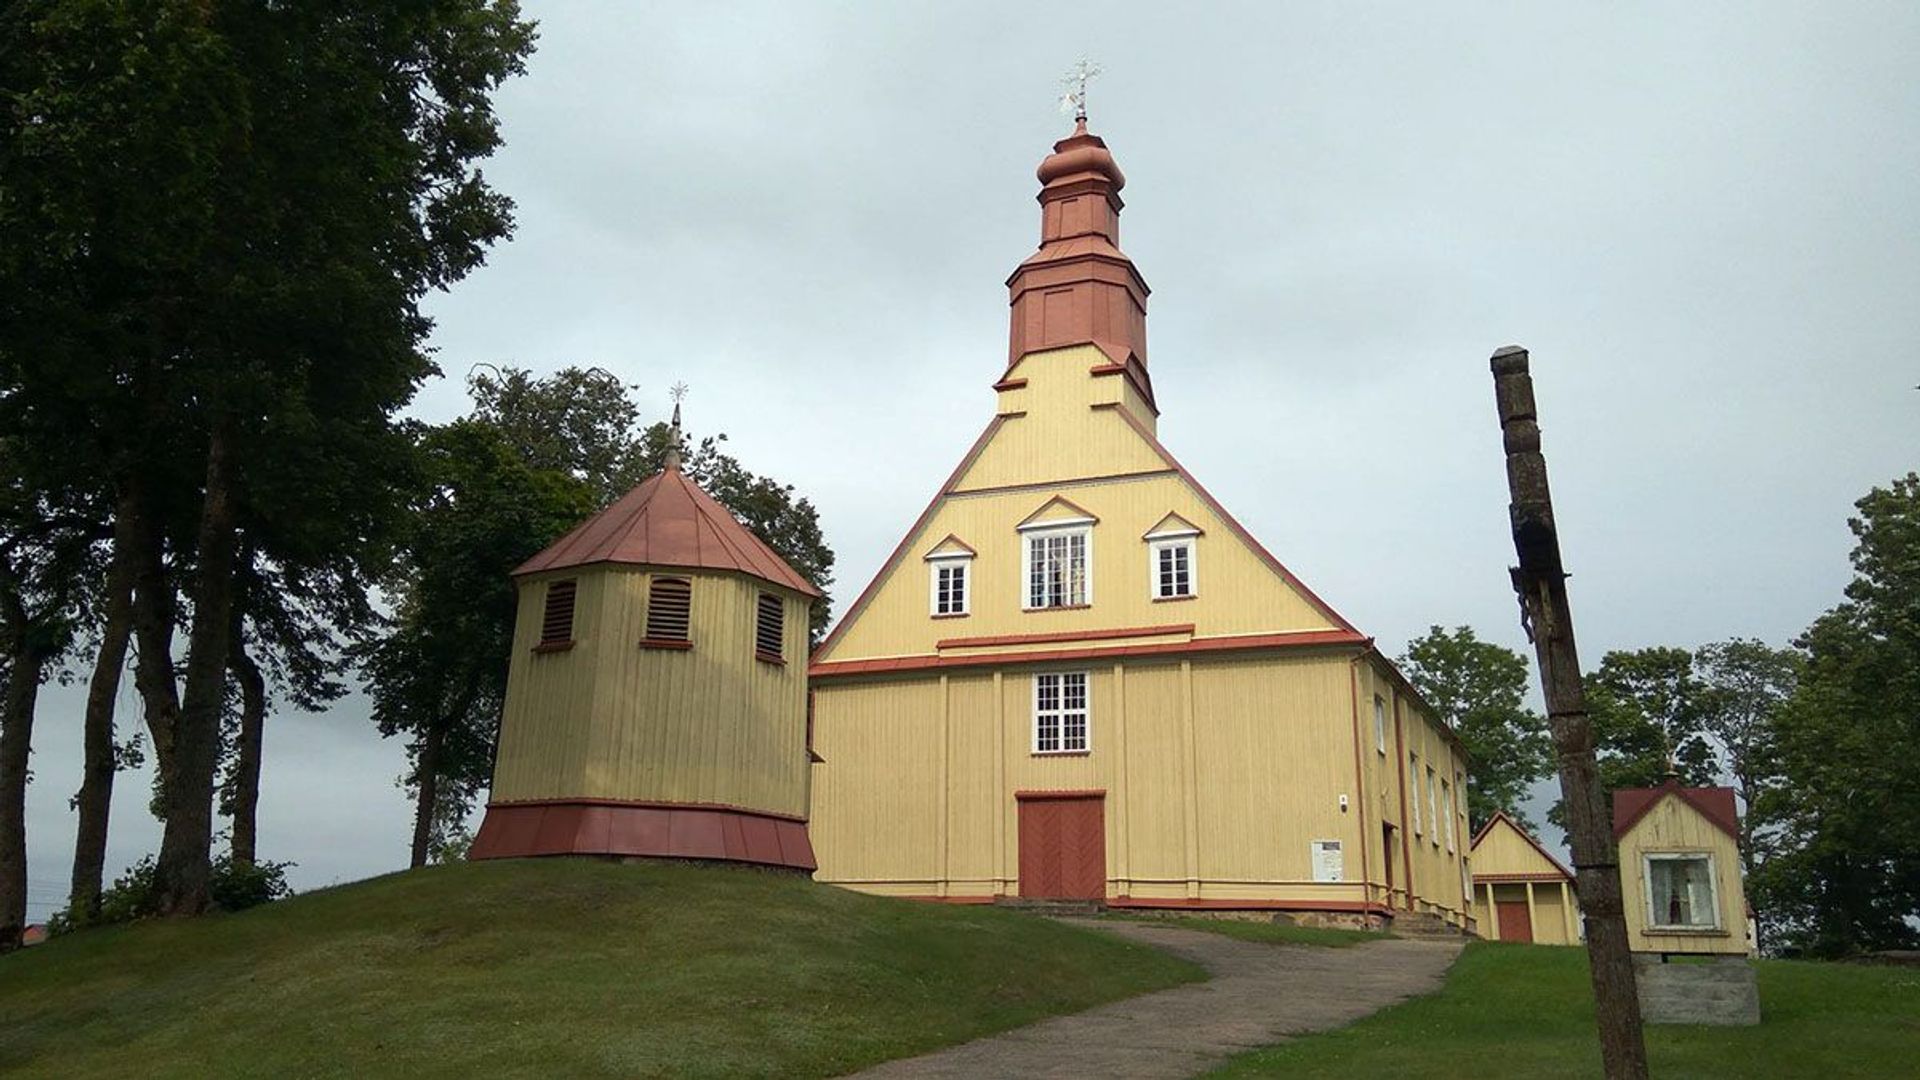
1074,100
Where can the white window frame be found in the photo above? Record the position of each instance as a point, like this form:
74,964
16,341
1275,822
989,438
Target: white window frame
937,563
1164,541
1413,767
1380,724
1042,530
1433,805
1446,793
1061,712
1647,859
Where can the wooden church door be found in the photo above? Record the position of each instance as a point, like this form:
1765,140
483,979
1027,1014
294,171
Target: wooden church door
1515,923
1063,848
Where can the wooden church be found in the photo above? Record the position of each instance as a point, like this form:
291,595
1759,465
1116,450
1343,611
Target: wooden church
1078,676
656,699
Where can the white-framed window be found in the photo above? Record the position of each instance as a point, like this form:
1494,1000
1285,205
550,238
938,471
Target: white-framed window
1060,712
1681,893
1380,723
1058,568
1413,784
1433,805
949,584
1171,566
1446,803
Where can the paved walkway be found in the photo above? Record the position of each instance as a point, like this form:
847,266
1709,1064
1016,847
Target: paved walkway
1259,995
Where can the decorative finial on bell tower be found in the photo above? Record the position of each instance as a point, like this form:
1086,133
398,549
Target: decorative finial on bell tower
679,393
1074,100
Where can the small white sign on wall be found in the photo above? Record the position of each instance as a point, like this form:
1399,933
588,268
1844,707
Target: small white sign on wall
1329,864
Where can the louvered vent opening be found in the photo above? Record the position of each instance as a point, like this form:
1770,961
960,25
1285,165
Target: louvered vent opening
556,624
769,634
669,609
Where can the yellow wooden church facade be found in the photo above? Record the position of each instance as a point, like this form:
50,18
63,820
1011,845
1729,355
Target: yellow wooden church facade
1079,677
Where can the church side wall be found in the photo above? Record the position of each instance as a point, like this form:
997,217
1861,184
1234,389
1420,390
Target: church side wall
609,719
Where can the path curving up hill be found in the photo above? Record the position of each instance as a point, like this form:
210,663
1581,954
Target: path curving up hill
1259,994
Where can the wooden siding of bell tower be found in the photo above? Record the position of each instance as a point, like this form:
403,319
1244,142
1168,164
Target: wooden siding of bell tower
1229,730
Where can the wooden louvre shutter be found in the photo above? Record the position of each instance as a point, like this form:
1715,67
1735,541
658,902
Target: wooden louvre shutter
556,623
669,609
769,632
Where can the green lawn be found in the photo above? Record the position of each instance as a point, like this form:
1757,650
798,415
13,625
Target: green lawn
1526,1010
1277,933
543,968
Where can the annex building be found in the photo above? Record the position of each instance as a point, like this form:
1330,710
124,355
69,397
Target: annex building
1079,677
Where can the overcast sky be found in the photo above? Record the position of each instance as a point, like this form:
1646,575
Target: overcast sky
1702,220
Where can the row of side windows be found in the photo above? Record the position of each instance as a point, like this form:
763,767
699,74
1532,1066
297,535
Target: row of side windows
669,618
1440,793
1057,567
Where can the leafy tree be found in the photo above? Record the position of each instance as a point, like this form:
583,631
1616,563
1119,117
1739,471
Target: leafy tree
439,676
1479,689
1843,810
1648,712
1744,684
221,222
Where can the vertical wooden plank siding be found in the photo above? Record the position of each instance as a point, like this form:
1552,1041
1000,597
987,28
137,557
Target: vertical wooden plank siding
608,719
1237,592
1216,776
1672,826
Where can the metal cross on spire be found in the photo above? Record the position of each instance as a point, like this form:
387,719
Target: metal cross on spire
1074,100
679,394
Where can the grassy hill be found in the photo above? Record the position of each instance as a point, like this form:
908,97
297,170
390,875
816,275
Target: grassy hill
1527,1010
544,968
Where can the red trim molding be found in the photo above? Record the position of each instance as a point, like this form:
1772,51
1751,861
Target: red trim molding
1365,906
1517,879
1302,639
1009,384
1087,793
611,827
1064,635
950,899
553,646
675,644
647,804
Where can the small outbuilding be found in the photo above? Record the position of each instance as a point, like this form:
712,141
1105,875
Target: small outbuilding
1680,882
1680,869
657,699
1520,891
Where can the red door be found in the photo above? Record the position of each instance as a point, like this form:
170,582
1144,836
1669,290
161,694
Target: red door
1063,848
1514,923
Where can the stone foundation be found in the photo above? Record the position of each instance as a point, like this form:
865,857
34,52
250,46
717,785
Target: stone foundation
1697,990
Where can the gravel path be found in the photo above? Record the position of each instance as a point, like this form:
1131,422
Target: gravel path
1259,995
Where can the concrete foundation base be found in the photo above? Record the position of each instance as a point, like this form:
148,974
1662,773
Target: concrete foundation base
1697,990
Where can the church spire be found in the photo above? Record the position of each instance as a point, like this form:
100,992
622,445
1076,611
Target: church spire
1080,288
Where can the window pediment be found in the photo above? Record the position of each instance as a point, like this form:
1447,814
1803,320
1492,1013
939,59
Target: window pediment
1057,512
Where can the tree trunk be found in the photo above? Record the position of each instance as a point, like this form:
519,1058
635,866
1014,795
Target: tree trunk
95,801
427,783
1541,582
246,768
185,863
25,661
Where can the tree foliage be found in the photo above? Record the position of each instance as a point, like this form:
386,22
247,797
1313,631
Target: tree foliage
1841,810
1479,689
222,220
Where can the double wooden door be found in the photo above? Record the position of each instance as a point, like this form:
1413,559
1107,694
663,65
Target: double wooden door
1515,923
1063,848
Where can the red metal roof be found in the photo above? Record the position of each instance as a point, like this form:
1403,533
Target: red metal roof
668,521
1714,803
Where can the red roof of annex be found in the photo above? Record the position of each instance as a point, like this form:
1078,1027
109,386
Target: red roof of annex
668,521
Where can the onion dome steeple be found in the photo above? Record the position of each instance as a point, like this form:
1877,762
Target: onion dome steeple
1080,288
